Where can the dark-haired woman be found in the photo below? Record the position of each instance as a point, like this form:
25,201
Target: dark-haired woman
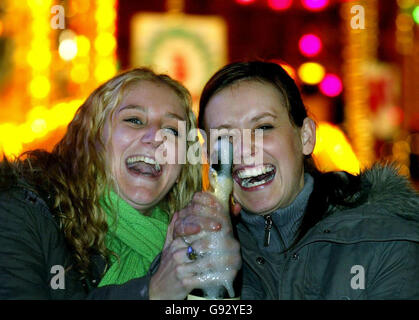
304,234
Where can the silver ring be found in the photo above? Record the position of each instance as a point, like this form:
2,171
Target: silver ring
191,253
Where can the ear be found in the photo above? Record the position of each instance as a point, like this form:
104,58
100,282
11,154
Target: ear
308,136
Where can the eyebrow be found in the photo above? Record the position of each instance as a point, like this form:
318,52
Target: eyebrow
133,106
174,116
254,119
263,115
144,110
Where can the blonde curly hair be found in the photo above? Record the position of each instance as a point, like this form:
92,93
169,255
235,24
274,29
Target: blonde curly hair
78,172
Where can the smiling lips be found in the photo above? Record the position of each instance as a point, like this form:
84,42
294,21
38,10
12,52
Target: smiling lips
252,178
144,165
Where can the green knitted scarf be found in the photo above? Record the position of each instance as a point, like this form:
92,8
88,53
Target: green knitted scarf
136,239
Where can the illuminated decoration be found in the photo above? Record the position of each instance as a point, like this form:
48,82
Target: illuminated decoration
189,48
331,85
315,5
311,73
415,14
39,60
68,45
310,45
333,152
279,4
245,1
105,42
39,55
360,49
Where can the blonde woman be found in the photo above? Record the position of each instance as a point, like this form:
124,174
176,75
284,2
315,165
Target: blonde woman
88,219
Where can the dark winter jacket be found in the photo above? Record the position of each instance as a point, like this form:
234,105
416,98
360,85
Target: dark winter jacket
34,255
366,250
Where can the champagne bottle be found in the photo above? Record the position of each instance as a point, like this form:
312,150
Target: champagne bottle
221,182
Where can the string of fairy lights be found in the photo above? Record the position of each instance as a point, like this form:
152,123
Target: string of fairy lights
58,67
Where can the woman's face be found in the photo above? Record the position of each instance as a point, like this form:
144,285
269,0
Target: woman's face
146,108
263,188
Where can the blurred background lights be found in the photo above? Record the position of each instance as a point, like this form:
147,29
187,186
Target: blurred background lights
331,85
67,48
310,45
415,14
244,1
311,73
279,4
39,87
315,5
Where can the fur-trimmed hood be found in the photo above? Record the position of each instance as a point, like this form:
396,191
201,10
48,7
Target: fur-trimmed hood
393,192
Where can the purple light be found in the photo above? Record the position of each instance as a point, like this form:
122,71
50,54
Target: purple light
244,1
280,4
331,85
310,45
315,5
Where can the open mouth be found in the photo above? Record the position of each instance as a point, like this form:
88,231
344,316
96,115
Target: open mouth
144,165
253,177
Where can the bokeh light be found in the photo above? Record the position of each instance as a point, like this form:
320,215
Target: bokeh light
331,85
39,87
279,4
310,45
333,150
245,1
311,73
67,49
415,14
315,5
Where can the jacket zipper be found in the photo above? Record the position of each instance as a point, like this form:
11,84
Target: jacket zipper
268,227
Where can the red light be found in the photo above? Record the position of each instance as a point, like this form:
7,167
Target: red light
310,45
280,4
315,5
244,1
331,85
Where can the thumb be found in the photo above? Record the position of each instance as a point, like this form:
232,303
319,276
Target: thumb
171,227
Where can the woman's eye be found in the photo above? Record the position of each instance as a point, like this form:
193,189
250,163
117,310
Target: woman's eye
265,127
172,131
135,121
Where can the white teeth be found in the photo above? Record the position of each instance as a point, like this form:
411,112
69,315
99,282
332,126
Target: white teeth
248,184
144,159
254,172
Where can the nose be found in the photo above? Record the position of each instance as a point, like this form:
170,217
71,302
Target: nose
149,137
252,147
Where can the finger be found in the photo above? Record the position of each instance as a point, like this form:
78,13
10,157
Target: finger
235,209
207,199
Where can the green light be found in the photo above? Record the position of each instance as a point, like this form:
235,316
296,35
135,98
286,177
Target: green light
415,14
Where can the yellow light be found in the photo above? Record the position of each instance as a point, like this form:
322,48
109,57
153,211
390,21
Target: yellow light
67,49
105,69
333,150
311,73
39,59
39,127
80,73
83,46
39,87
105,43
